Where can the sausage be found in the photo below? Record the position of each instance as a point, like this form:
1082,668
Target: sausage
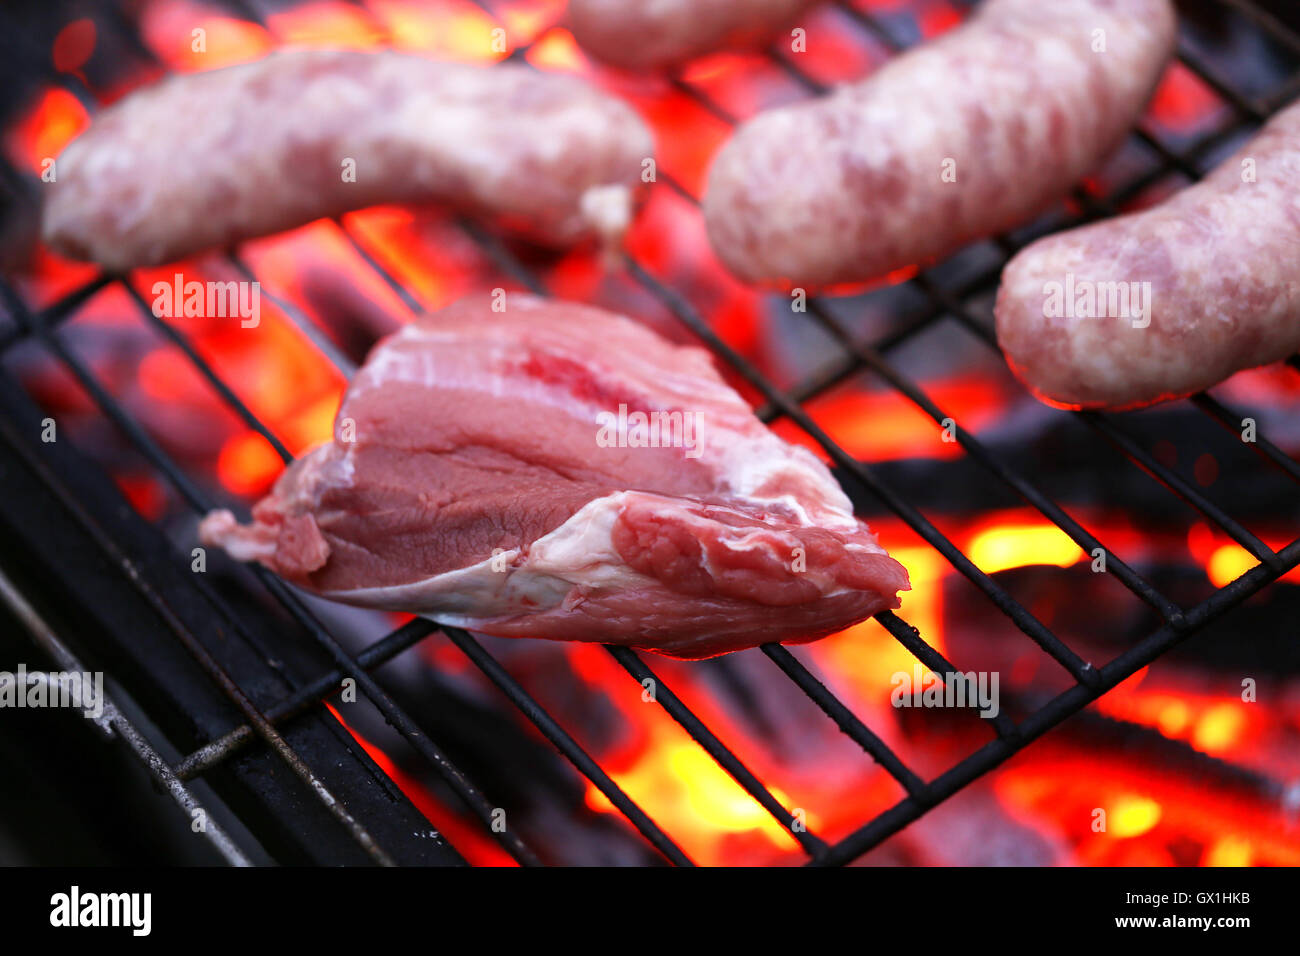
953,141
636,34
204,160
1164,303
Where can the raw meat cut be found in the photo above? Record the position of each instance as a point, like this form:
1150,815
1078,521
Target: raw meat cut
554,470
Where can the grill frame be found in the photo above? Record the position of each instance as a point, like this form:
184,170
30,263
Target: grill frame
1090,682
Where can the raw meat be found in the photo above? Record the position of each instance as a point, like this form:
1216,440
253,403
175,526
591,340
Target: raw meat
957,139
640,35
1169,301
204,160
489,470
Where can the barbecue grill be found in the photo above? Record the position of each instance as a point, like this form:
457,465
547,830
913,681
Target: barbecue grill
229,705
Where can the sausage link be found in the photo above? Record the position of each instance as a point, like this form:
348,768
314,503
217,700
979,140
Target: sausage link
1166,302
204,160
636,34
953,141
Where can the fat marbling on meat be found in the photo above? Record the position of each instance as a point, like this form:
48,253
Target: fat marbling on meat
957,139
203,160
482,474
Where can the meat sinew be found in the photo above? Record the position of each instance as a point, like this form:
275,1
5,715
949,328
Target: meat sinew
553,470
202,160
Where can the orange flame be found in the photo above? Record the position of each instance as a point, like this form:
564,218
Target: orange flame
467,837
46,129
188,37
697,800
445,29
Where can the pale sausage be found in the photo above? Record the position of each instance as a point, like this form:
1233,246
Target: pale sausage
956,140
1167,302
207,159
637,34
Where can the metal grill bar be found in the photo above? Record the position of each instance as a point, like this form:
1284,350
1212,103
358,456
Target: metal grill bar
200,654
693,725
210,754
1234,421
391,712
1030,625
633,664
213,753
567,745
1091,682
1053,713
844,718
221,388
480,657
864,356
113,723
910,638
725,758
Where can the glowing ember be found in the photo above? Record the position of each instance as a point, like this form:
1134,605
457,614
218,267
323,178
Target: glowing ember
342,26
189,37
1018,546
1117,815
885,426
1230,851
1183,101
697,800
558,51
1229,562
1133,816
49,126
1213,724
867,653
248,465
445,29
1151,816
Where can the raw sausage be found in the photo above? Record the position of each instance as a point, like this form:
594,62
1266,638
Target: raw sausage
1166,302
959,139
638,35
204,160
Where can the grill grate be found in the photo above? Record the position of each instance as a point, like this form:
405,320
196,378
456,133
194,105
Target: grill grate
855,357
